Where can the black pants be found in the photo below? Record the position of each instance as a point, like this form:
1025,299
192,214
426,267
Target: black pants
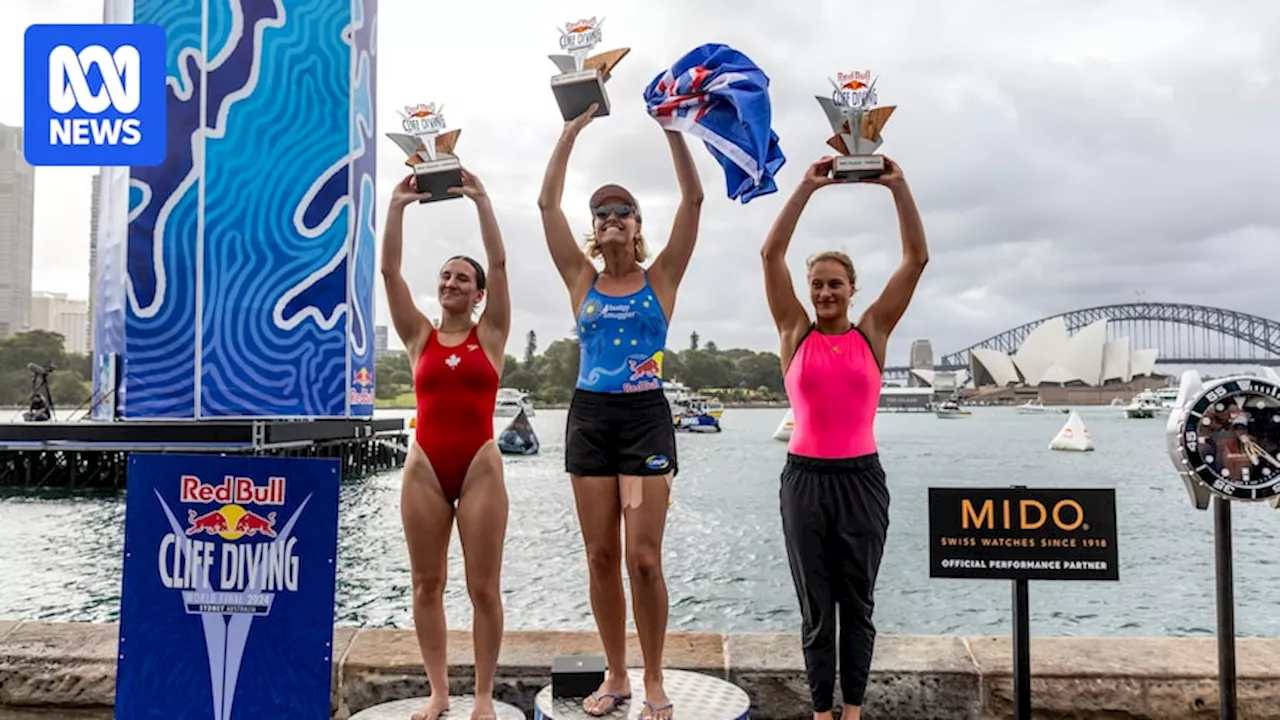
835,516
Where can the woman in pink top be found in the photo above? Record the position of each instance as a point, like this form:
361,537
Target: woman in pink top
834,500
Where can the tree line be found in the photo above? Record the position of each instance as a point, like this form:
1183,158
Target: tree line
733,375
70,383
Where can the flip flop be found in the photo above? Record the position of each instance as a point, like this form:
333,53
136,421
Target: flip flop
615,699
651,713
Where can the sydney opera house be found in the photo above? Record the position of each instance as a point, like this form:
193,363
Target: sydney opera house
1050,356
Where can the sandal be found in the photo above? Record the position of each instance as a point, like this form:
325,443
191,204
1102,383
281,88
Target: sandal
663,712
614,700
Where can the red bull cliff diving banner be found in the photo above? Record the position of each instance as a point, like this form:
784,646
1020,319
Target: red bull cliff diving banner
228,592
236,279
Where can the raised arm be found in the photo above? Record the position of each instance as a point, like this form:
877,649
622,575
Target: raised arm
670,265
789,315
495,322
882,316
575,269
411,325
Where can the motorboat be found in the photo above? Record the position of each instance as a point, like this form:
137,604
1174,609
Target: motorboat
690,413
511,402
683,400
699,423
950,410
1037,407
1167,396
1144,405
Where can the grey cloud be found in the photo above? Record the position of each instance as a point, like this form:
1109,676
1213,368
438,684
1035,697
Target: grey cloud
1053,171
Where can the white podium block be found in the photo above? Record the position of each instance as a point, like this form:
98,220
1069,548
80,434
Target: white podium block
460,706
693,695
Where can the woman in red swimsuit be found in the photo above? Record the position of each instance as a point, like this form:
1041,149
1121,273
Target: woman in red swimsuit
454,468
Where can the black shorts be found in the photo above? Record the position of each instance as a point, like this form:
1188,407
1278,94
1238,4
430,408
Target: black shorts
619,434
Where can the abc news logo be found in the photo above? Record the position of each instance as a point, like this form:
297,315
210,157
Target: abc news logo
95,95
69,90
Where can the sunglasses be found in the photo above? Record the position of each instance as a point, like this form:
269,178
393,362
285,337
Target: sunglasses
621,210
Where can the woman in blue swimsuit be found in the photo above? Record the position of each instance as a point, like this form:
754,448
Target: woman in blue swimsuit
620,444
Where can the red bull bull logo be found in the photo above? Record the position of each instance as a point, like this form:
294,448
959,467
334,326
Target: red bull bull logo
645,374
231,522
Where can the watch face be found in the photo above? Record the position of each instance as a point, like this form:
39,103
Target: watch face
1231,439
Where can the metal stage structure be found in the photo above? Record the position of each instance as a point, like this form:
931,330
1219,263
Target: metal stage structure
93,455
1185,335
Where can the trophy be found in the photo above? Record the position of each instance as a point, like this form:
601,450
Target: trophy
857,124
430,151
581,79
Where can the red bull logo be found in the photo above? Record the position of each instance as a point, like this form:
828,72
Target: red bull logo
361,392
645,375
363,377
581,26
232,490
857,80
420,110
231,522
649,368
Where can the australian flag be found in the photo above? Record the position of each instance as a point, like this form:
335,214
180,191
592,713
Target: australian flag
719,95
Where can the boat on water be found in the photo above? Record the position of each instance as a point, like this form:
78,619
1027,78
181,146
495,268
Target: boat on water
511,402
680,395
951,410
690,413
697,423
1167,396
1037,407
1144,405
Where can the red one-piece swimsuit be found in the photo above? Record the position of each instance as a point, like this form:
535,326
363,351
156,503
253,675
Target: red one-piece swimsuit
456,388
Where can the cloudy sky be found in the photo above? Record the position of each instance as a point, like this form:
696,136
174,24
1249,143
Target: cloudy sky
1063,155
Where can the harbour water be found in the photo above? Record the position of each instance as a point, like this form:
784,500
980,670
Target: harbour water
725,564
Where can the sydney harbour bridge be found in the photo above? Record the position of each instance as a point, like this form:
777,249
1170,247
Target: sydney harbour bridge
1187,335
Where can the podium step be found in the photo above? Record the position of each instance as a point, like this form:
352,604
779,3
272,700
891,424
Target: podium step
460,707
693,695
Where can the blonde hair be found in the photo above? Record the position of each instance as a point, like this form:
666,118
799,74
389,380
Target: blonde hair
592,247
836,256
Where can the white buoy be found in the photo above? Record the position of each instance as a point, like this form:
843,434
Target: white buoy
1073,436
783,432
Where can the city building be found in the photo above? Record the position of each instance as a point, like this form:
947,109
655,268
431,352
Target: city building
93,253
1051,357
17,225
921,359
55,312
379,340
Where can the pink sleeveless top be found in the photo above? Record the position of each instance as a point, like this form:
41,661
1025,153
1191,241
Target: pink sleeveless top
833,382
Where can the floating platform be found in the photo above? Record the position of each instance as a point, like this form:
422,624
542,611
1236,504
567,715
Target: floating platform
87,454
693,695
460,707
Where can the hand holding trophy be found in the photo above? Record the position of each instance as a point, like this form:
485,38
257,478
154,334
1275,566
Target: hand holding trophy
430,150
857,123
580,82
